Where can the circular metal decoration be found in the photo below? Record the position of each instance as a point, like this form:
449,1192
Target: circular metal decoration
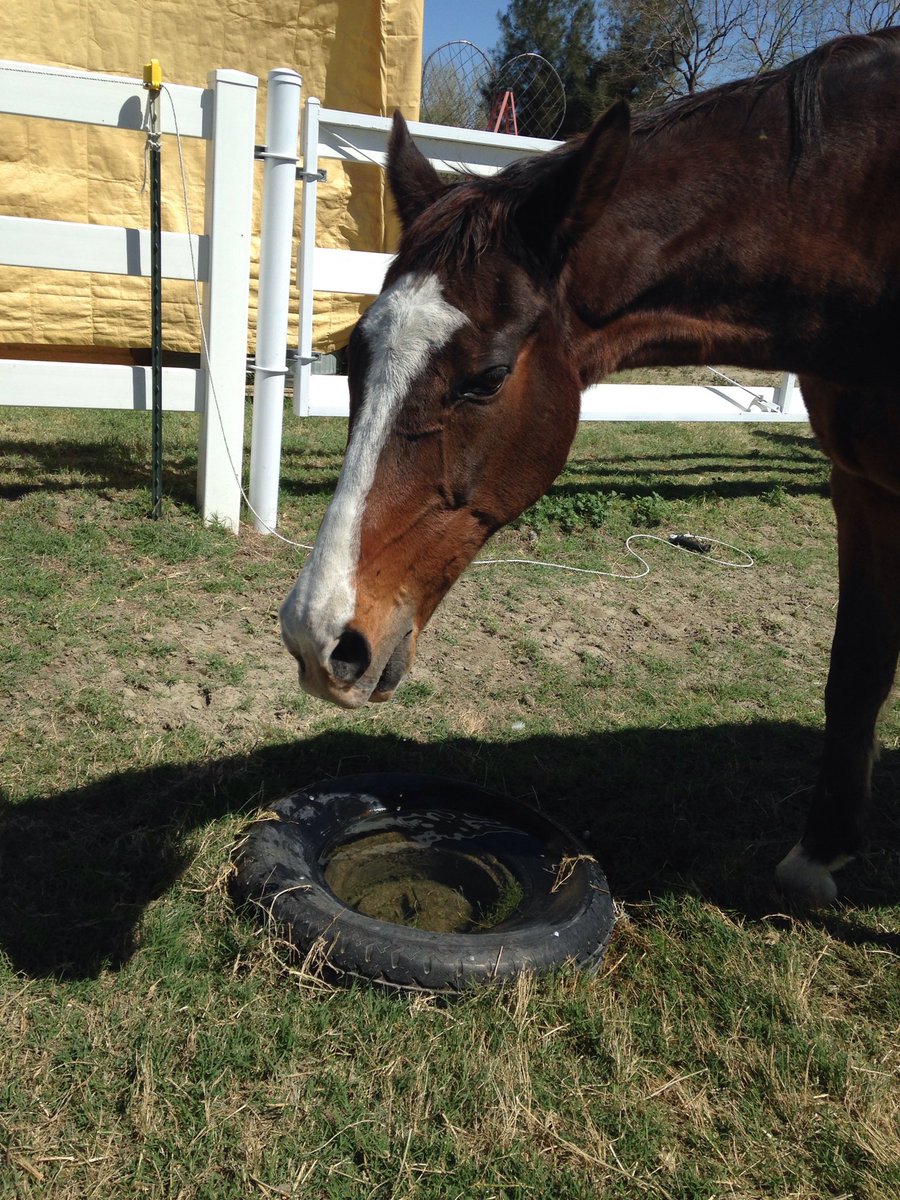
456,86
528,97
423,883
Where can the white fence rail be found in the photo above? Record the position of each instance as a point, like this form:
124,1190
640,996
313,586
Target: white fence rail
223,114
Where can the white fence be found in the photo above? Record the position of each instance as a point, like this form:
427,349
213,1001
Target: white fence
224,115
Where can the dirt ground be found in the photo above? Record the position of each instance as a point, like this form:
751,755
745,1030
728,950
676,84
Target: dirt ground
491,641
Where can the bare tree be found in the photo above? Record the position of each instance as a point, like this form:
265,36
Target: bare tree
699,34
773,32
683,40
862,16
684,45
654,50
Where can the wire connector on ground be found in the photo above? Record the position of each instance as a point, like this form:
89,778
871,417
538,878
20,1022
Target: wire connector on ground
687,541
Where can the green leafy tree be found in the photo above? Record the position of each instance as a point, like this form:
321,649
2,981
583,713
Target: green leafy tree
637,62
564,32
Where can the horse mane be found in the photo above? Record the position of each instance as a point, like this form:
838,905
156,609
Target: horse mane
801,79
477,213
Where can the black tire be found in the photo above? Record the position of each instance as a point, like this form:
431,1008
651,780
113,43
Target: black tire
563,911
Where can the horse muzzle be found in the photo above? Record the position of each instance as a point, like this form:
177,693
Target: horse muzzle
349,669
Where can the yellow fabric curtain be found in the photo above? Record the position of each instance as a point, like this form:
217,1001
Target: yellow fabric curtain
358,55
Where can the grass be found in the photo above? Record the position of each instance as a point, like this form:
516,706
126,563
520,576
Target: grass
153,1043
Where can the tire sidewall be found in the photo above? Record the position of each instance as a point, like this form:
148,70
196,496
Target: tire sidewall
564,916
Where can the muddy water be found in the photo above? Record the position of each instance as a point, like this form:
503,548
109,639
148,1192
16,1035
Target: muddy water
430,870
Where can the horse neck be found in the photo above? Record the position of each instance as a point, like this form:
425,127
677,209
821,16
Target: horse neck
675,271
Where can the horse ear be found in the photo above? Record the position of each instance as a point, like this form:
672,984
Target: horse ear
567,201
602,158
415,183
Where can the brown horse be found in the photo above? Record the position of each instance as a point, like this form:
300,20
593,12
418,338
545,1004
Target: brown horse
757,224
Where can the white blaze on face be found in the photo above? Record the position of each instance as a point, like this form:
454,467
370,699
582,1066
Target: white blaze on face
402,329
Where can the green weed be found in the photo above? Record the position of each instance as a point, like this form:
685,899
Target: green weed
650,511
568,512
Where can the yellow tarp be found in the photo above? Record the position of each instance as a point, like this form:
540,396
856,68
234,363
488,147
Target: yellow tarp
357,55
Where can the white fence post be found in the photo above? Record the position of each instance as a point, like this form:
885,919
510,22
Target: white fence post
785,392
305,253
229,211
276,238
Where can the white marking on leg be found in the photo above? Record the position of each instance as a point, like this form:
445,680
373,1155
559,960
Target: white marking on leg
802,876
405,325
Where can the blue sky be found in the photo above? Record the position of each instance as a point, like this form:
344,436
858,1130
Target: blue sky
458,20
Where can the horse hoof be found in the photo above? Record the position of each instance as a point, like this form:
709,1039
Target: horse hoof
804,879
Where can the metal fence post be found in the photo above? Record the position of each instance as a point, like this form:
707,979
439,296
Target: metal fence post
305,252
153,84
276,238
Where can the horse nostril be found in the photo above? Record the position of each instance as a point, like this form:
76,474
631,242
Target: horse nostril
351,656
301,665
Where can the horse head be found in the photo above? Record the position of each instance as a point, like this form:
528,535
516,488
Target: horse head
464,400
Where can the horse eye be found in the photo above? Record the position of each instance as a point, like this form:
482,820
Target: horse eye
483,386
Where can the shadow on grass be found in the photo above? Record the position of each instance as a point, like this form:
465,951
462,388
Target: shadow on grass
665,811
692,477
790,460
110,463
114,464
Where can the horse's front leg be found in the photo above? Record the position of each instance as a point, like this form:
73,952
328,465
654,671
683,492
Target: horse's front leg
863,662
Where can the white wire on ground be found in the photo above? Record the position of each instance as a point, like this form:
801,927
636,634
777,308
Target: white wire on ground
479,562
648,537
